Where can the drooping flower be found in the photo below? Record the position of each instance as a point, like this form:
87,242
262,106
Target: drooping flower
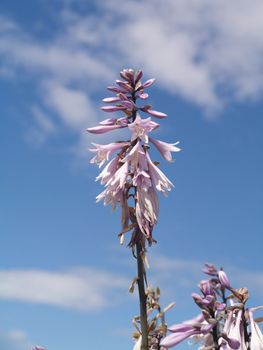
104,151
109,125
256,341
179,332
210,269
141,127
165,148
159,180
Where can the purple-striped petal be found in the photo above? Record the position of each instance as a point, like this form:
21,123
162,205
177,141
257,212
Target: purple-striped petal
156,114
138,76
223,279
148,83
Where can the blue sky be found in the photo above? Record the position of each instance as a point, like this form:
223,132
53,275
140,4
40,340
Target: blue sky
63,276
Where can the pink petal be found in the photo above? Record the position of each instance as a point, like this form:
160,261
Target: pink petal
165,148
138,76
156,114
112,108
124,85
128,104
103,128
148,83
111,99
143,95
116,89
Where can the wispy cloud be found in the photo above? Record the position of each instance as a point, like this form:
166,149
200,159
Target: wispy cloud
208,53
83,289
14,340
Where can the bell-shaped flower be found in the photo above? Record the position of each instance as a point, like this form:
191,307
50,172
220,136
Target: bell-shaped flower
115,187
256,341
159,180
236,331
210,269
109,125
223,279
141,127
104,151
195,327
206,287
147,209
109,171
165,148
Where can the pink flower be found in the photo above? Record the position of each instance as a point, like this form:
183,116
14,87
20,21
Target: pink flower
256,341
159,180
147,209
165,148
141,127
104,151
157,114
210,269
192,328
109,125
231,327
114,186
223,279
109,170
236,332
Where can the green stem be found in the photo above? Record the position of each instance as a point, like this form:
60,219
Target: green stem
142,296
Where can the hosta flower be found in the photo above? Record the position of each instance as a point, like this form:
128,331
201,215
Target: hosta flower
147,209
141,127
222,276
192,328
256,342
165,148
109,125
159,180
132,173
225,323
104,151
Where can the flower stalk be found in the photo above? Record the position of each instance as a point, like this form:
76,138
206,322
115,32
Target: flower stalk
142,295
131,178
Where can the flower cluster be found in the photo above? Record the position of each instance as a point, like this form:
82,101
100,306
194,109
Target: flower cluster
224,322
131,174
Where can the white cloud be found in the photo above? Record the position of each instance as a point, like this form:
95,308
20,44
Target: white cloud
82,289
73,106
207,52
41,128
14,340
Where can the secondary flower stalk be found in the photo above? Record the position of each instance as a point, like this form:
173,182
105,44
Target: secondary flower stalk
224,322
